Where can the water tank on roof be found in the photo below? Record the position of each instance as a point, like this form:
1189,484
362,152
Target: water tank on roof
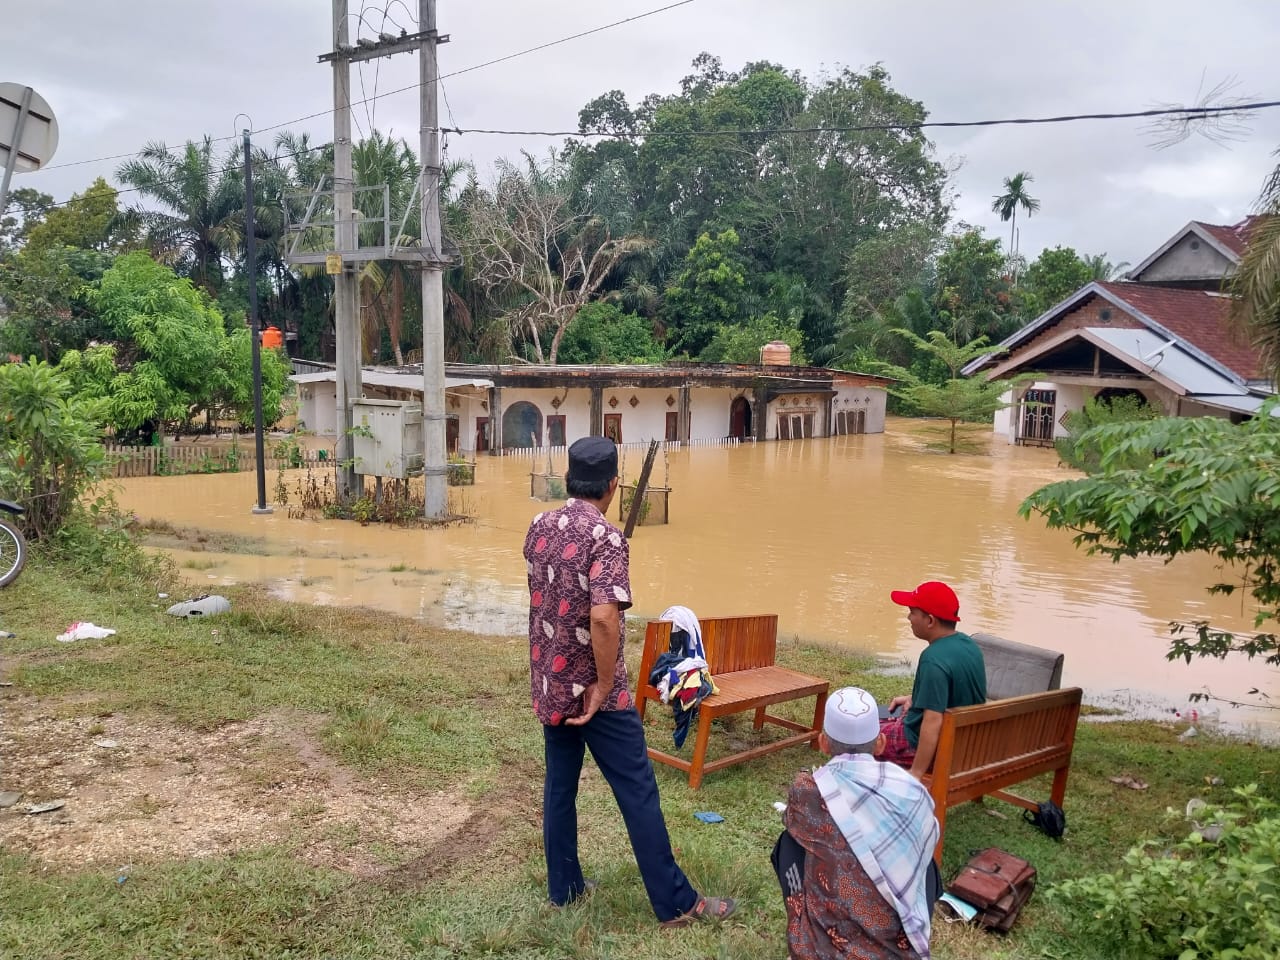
775,353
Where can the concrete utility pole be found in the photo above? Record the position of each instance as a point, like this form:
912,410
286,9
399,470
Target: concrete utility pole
435,468
346,298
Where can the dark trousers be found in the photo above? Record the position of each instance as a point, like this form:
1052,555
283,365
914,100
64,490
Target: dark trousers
616,741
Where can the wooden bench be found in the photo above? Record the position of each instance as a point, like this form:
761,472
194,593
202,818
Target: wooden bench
983,749
740,653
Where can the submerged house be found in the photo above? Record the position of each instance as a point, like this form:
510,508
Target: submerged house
507,408
1164,334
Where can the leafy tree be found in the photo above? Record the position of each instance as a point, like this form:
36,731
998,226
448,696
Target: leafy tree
1055,275
48,312
50,443
1171,486
173,358
603,333
742,344
202,196
972,294
24,210
708,293
1015,195
89,221
957,398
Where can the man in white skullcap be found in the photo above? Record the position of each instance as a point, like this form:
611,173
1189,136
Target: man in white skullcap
856,859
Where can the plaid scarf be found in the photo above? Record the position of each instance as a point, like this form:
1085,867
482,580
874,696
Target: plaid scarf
886,816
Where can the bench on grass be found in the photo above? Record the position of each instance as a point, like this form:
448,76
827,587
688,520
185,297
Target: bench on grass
985,748
740,653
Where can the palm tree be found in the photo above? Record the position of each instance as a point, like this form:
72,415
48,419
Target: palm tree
1256,284
202,203
1100,268
1015,195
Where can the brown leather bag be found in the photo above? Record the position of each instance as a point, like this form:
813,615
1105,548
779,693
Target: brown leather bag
998,884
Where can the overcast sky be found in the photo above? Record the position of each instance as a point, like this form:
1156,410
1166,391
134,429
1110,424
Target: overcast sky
120,73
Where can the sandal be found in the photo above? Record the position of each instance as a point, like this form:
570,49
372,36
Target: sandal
707,908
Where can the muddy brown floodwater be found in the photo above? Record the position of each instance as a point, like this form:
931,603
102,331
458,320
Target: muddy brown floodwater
817,531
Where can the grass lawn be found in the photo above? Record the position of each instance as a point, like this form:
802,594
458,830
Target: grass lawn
298,781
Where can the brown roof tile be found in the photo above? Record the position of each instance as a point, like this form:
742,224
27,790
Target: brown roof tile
1234,237
1199,318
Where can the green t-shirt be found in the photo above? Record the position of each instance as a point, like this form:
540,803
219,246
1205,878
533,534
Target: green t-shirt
951,673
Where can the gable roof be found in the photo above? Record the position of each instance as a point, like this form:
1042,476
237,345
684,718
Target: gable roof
1199,320
1197,317
1228,241
1235,237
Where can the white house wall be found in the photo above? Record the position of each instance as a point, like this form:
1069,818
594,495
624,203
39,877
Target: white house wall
709,411
852,396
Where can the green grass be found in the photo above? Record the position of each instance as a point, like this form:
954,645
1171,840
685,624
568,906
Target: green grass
399,703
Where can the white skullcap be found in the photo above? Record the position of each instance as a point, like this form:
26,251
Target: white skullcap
852,716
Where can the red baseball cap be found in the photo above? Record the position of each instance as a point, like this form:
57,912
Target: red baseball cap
933,597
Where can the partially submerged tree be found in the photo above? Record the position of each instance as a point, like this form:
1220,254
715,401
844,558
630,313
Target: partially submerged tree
1185,485
956,399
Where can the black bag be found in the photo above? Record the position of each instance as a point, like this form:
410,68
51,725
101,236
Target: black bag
998,884
1049,819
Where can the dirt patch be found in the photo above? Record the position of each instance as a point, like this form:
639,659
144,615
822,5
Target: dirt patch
139,789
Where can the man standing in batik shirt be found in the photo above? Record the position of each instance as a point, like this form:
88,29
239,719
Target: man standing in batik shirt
579,584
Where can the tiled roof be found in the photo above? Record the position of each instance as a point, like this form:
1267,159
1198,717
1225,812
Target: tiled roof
1198,318
1234,237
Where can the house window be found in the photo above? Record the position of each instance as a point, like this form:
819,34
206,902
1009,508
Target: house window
795,426
850,421
1038,408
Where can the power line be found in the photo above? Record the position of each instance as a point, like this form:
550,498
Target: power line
379,96
490,63
1188,112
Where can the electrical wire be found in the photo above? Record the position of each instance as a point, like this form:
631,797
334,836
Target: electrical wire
1188,112
389,93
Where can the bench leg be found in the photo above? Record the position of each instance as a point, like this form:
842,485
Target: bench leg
1059,791
759,720
819,716
641,700
700,750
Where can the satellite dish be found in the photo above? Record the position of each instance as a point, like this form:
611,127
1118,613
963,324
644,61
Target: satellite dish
28,130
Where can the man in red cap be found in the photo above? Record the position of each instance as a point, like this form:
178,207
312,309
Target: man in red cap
951,673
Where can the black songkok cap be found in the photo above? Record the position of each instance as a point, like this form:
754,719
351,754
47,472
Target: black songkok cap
592,459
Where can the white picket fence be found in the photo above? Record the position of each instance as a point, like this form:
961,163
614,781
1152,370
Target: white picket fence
636,445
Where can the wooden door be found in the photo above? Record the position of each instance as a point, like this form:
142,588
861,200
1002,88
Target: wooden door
482,434
613,427
555,430
673,426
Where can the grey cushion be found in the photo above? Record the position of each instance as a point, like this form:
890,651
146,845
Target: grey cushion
1017,668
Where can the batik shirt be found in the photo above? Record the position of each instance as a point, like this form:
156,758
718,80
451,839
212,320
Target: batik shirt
839,913
576,559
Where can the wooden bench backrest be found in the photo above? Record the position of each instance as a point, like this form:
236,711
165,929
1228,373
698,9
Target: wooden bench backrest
732,643
984,745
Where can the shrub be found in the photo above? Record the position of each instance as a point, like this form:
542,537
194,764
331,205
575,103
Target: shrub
1079,450
50,444
1197,899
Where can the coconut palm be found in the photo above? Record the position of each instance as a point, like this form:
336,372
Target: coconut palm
1256,284
1100,268
1015,195
201,197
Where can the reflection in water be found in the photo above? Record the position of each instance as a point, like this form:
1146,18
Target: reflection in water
817,531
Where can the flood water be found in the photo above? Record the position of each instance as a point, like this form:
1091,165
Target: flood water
817,531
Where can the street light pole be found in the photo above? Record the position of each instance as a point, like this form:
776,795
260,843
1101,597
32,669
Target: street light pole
255,335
